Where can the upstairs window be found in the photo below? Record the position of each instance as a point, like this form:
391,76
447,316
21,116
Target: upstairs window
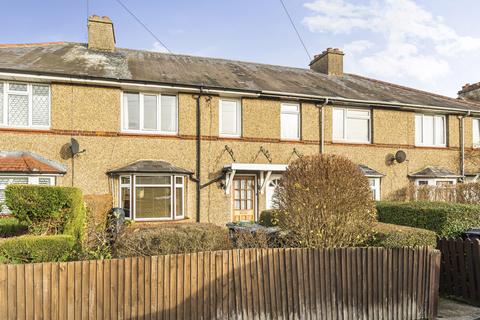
24,105
476,133
150,113
430,130
290,121
351,125
230,115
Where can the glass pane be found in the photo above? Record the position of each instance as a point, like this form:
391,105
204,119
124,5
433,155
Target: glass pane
338,124
237,194
439,130
249,205
40,105
125,180
132,107
237,204
179,180
242,184
357,129
1,102
229,121
153,180
179,202
476,132
45,181
125,196
168,113
418,129
150,112
18,87
19,180
358,114
18,110
428,130
289,124
290,108
153,202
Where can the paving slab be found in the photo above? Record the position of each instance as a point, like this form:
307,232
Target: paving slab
454,310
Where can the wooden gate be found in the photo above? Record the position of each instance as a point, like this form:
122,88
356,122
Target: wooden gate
460,268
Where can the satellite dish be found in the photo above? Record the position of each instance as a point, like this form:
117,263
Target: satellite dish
75,146
400,156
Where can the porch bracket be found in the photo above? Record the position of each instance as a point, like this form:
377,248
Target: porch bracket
265,181
229,181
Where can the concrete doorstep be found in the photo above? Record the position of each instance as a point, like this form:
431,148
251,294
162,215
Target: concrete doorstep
454,310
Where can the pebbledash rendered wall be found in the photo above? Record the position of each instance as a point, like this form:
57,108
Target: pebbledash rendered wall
92,115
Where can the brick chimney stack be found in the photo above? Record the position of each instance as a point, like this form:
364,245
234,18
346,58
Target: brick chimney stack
329,62
470,92
101,35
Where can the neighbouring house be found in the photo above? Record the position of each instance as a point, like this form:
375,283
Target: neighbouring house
177,137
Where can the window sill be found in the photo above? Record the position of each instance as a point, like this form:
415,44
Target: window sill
351,142
431,146
147,132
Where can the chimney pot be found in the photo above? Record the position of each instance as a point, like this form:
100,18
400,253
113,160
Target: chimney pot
101,34
329,62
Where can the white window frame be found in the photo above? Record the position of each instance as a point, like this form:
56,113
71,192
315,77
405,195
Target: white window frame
124,114
299,123
238,115
345,126
433,181
31,180
29,93
120,197
376,188
181,186
476,144
435,144
133,191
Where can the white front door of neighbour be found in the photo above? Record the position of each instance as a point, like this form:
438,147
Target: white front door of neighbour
270,191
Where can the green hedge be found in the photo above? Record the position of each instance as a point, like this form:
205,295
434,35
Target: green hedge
446,219
10,227
395,236
48,209
269,218
30,249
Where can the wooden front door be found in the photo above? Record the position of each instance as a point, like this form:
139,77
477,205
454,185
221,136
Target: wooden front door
243,198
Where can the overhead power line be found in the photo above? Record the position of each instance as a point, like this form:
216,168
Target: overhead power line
143,25
295,28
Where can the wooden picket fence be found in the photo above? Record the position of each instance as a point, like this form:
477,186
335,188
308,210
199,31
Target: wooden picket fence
350,283
460,269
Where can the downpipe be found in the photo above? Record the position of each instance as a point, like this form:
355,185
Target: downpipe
322,125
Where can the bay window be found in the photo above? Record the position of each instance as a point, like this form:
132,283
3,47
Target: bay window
152,197
430,130
290,121
24,105
351,125
149,113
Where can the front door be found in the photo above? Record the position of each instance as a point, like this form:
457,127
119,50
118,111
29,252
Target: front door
243,198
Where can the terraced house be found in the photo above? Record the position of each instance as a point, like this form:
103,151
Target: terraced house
176,137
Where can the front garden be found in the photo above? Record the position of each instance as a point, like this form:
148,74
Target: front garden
323,201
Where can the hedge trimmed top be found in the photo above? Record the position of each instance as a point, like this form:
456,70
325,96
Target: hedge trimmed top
47,206
446,219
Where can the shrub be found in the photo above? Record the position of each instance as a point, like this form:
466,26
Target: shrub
10,227
325,201
29,249
394,236
48,210
171,239
97,242
269,218
446,219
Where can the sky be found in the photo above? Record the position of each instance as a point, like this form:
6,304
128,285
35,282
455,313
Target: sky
430,45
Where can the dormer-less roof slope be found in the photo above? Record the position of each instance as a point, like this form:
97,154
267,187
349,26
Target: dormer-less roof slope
75,60
434,172
150,166
23,162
